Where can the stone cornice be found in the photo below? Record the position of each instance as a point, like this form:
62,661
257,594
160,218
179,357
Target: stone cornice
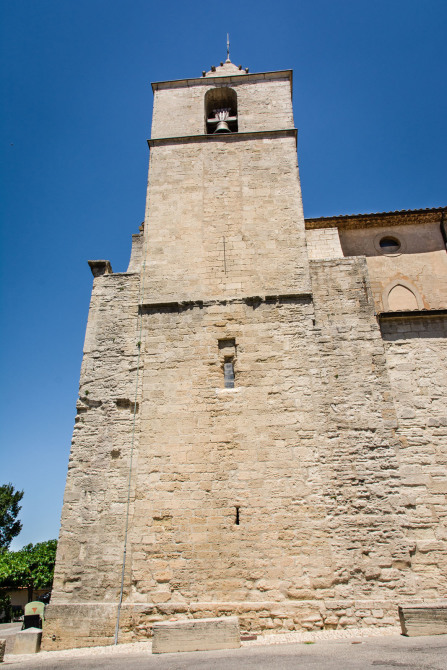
234,79
100,267
224,137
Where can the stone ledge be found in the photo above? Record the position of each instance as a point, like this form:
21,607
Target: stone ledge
177,305
100,268
412,314
224,137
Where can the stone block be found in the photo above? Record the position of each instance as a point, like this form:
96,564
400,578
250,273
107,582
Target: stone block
27,641
423,619
196,635
2,649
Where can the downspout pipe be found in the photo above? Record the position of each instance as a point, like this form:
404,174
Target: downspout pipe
443,227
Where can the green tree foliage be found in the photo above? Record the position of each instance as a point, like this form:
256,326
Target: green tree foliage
5,607
31,567
10,526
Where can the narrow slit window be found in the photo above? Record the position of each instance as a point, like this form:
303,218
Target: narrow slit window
229,373
227,356
236,519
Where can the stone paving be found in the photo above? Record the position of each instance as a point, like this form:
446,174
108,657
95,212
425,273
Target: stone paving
138,648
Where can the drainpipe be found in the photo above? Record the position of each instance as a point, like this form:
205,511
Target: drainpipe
443,226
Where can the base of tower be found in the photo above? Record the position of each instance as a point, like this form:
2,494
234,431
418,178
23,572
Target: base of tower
93,624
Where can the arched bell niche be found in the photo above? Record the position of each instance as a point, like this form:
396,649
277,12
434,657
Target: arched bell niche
221,110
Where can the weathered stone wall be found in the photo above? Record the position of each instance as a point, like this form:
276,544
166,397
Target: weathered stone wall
136,256
89,555
413,277
230,224
358,457
227,448
420,264
303,445
89,625
323,244
263,104
295,499
416,351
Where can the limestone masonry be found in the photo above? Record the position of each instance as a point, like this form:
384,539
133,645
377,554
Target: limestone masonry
262,420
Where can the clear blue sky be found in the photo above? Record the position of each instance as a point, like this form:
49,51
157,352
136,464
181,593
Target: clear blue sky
370,100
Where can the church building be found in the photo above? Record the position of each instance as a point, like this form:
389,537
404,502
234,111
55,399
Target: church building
261,426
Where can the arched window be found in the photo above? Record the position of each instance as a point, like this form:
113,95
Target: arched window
221,110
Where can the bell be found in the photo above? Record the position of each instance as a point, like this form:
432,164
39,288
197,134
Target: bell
222,127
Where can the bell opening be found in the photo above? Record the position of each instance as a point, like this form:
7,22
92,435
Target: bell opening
221,110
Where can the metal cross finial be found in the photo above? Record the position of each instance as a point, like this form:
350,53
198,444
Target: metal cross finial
228,47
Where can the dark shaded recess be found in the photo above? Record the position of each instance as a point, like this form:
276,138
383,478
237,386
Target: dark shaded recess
220,98
430,324
125,403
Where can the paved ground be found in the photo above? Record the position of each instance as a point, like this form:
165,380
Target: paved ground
362,653
8,632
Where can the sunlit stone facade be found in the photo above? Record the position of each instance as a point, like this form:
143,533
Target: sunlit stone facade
261,397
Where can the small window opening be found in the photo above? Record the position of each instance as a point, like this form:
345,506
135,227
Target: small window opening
389,245
229,373
227,347
221,110
236,520
227,355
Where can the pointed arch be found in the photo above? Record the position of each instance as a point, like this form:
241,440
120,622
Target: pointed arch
401,295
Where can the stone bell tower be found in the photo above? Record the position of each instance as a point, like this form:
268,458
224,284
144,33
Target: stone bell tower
208,473
224,213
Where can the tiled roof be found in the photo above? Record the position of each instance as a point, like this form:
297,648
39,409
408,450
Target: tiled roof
397,211
359,220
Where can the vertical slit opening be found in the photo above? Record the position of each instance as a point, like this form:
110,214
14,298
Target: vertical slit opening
227,355
236,519
229,373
